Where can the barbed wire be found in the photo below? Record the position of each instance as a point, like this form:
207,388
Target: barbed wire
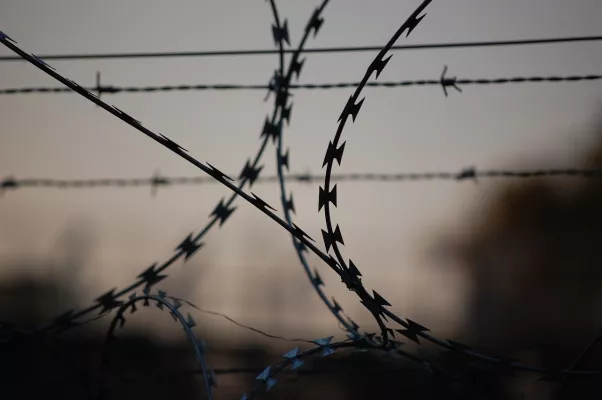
444,81
162,300
323,50
156,181
288,207
349,273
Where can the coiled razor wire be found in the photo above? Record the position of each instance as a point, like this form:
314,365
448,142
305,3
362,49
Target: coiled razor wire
288,205
173,306
349,274
359,343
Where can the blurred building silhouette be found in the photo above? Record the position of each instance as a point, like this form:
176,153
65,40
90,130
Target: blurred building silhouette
533,263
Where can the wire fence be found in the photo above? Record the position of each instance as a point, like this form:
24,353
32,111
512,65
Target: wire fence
156,181
445,82
125,299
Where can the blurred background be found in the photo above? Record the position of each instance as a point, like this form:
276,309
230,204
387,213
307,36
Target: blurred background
507,265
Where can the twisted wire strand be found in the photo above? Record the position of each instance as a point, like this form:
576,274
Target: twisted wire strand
268,335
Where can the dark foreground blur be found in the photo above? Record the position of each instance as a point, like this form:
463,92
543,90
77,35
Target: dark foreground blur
532,257
139,367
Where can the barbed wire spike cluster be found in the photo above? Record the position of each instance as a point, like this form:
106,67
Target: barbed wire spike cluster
448,82
332,237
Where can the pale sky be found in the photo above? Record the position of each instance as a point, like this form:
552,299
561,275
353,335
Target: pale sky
387,227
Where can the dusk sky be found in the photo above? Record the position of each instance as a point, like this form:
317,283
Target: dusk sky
388,228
